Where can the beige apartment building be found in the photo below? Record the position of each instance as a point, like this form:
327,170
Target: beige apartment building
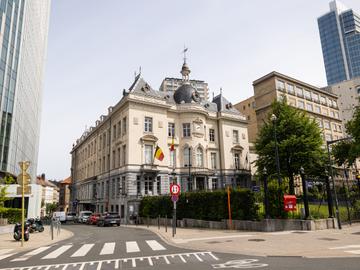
113,163
318,103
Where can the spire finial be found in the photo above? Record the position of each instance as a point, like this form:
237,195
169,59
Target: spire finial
220,90
185,71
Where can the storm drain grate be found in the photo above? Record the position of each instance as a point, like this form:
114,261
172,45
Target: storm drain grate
328,239
256,240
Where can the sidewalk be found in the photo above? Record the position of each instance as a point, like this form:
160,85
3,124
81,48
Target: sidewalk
311,244
8,244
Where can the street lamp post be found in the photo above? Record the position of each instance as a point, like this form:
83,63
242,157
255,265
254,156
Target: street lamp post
329,195
304,186
274,119
266,195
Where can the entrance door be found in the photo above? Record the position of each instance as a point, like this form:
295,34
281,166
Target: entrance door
200,183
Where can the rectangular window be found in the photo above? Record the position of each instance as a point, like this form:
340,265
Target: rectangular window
237,161
280,85
148,185
148,154
309,107
325,111
235,136
315,97
334,104
114,159
171,129
335,127
299,91
307,94
212,135
336,115
123,185
119,129
290,88
317,109
148,124
158,185
213,161
187,154
320,123
332,114
124,125
301,104
124,155
328,137
113,188
186,130
323,100
114,132
138,185
119,157
118,186
172,158
214,183
104,140
327,124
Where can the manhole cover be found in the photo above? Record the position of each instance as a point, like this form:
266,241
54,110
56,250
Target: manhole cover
328,239
299,232
356,233
256,240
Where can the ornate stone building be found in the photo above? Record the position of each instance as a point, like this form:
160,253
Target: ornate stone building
113,163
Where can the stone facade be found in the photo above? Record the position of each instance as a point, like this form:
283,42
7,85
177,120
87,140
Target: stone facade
113,163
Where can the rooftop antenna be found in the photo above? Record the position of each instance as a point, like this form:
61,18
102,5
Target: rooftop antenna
184,52
220,90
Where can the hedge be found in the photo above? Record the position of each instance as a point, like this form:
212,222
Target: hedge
12,214
203,205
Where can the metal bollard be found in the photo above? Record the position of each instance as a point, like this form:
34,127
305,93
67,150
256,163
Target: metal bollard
166,221
52,229
159,222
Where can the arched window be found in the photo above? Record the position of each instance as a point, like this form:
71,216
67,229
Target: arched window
187,155
199,158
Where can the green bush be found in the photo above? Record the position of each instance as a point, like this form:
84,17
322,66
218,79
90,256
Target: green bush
12,214
203,205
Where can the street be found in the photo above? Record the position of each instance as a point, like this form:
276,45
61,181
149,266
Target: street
129,247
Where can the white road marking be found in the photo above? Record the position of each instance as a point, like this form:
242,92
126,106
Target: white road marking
182,258
133,263
108,248
180,241
5,251
166,260
197,257
31,253
56,253
346,247
99,266
353,251
155,245
150,262
116,264
132,246
83,250
6,255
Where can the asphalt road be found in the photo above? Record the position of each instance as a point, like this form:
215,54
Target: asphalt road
94,248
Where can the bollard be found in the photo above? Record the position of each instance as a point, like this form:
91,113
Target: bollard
159,222
166,221
147,222
52,229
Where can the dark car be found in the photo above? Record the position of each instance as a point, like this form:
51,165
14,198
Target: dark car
109,219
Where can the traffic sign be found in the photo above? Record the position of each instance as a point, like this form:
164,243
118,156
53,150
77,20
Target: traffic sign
24,176
27,190
174,198
175,189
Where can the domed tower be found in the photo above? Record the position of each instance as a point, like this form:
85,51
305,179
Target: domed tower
186,93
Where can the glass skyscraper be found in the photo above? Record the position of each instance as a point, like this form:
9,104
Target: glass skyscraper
340,41
23,41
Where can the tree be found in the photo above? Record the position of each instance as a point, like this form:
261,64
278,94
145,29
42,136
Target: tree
50,208
348,151
4,184
299,141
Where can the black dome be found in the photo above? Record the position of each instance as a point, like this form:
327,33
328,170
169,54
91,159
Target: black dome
185,94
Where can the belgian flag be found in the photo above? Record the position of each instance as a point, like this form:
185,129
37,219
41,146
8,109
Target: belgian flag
172,146
159,153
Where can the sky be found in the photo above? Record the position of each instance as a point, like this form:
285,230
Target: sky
94,48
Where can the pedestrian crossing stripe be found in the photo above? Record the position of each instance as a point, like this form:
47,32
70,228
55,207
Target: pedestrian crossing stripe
206,255
107,249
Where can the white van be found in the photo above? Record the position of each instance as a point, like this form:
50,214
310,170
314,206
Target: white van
84,216
61,216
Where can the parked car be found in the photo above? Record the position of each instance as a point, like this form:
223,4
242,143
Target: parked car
93,219
109,219
84,216
70,217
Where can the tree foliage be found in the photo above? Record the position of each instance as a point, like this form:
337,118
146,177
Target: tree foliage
299,141
346,152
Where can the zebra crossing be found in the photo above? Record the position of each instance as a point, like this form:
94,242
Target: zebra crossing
75,251
352,249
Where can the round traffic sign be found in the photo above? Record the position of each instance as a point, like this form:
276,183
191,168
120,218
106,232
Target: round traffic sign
174,198
174,189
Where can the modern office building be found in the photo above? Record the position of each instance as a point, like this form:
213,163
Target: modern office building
318,103
340,41
171,84
23,43
348,93
113,163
